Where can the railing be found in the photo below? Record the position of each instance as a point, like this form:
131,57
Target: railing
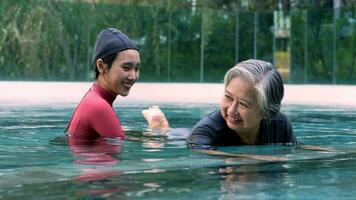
53,40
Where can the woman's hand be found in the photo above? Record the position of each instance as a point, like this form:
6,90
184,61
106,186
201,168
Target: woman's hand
155,118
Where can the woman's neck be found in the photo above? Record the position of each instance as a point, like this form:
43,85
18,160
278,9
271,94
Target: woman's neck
102,83
250,137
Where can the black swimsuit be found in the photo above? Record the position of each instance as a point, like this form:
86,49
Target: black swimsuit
212,131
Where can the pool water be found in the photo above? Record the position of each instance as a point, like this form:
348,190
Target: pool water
37,163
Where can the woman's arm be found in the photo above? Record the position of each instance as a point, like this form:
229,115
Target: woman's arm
316,148
155,118
238,155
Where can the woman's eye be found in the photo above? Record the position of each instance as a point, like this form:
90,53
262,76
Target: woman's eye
228,97
243,104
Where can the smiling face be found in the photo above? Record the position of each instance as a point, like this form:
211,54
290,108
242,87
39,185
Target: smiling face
240,109
123,73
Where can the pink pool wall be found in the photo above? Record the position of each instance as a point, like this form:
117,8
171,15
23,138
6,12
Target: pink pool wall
29,93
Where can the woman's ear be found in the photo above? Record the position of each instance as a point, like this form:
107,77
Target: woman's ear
100,65
264,115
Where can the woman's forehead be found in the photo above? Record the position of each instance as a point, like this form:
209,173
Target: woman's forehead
238,85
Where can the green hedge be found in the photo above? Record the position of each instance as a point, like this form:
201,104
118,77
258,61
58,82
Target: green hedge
53,40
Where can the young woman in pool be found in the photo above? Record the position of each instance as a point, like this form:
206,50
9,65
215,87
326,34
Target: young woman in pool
116,59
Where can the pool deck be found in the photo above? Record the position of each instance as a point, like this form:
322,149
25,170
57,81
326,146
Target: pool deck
30,93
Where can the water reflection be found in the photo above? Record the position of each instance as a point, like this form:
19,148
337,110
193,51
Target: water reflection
154,166
96,157
237,181
150,139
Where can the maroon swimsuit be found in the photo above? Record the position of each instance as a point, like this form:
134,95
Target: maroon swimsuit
95,116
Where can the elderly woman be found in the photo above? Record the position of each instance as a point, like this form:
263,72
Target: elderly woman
249,111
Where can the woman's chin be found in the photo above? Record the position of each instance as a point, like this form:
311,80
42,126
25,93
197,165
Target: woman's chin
124,94
234,127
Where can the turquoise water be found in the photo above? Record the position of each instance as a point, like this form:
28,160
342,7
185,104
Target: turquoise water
35,165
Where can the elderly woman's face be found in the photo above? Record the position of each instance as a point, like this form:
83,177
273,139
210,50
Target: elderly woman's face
239,107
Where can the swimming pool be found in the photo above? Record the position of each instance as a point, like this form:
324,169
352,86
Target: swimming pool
34,165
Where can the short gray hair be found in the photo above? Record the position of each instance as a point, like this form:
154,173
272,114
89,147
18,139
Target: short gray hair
266,80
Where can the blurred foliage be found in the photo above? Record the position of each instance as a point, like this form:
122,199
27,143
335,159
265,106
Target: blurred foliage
53,40
323,46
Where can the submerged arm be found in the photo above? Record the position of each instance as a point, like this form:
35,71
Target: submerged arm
316,148
319,148
238,155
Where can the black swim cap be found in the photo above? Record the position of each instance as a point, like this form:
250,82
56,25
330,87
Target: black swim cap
110,41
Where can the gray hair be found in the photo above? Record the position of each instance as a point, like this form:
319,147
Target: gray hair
266,80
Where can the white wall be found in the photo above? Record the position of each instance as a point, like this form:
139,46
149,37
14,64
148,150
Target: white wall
68,92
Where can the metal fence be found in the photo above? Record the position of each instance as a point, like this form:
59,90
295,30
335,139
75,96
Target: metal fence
51,40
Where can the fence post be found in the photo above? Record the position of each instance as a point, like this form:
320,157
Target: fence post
169,43
237,36
255,35
202,46
306,47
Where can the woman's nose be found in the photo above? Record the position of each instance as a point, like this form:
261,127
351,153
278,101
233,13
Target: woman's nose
233,108
133,75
